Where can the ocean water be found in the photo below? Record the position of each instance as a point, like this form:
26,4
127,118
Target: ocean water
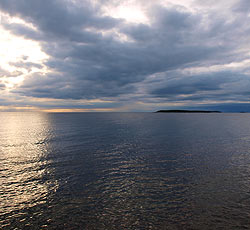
124,171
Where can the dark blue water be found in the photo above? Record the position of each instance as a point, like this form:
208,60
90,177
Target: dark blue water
124,171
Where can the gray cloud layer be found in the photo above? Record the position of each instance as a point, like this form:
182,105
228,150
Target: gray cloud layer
146,63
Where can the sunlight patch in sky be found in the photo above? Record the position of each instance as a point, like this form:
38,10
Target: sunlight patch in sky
15,50
131,11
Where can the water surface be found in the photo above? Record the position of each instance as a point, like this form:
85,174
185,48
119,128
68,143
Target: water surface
124,171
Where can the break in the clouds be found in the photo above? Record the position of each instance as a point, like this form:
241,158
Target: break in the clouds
91,55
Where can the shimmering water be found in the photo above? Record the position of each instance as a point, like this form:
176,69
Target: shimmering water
124,171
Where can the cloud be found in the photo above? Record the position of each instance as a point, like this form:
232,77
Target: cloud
92,55
2,86
194,84
242,6
26,64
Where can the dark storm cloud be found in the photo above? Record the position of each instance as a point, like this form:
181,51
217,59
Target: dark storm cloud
216,86
58,19
192,84
22,30
91,61
68,87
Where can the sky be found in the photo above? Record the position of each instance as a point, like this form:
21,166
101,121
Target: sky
124,55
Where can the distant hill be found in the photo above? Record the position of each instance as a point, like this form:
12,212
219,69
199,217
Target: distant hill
186,111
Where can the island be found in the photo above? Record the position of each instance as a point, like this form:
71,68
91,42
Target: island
186,111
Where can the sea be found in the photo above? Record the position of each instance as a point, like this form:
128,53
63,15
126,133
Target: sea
120,171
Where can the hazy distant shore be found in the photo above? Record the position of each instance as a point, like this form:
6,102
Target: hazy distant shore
186,111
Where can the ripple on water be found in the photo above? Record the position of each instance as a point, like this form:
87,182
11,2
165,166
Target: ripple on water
124,171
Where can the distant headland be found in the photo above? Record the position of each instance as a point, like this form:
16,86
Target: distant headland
186,111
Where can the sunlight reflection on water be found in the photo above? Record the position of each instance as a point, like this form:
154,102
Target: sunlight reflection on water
23,161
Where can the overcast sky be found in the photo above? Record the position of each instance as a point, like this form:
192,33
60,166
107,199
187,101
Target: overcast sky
127,55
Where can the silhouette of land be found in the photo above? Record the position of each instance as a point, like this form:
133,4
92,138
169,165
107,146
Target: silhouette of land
187,111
